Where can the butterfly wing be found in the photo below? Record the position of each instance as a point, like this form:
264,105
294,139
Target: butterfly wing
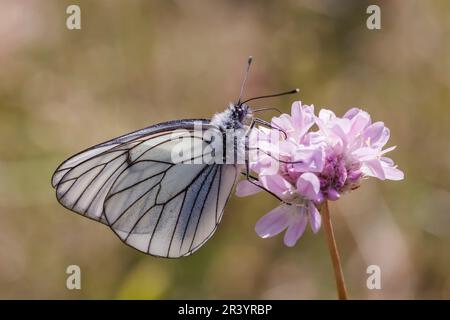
170,210
82,181
154,205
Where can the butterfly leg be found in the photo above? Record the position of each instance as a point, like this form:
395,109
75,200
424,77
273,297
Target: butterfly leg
267,124
247,174
252,180
274,158
247,147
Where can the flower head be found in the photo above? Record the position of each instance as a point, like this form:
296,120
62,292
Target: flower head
293,213
354,150
303,168
287,156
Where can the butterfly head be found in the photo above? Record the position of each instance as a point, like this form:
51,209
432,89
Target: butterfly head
241,113
236,116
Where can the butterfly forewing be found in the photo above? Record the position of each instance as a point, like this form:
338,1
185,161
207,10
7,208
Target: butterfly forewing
83,180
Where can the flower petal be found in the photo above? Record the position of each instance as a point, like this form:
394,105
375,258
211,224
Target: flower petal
326,115
302,117
392,173
296,228
308,185
311,157
373,168
245,188
283,122
350,114
360,121
379,138
390,170
296,111
340,128
388,150
365,153
333,194
373,133
276,183
273,222
315,219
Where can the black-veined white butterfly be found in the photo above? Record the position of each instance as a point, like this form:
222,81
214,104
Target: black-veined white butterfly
157,205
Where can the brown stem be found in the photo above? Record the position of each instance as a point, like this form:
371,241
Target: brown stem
338,274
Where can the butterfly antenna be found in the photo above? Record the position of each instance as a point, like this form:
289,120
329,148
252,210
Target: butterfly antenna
267,109
249,62
274,95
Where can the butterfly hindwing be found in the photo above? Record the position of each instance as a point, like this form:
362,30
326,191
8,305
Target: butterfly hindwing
168,209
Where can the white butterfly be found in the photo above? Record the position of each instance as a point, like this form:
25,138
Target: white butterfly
154,204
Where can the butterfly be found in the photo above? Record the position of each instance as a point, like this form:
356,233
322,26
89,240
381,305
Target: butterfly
157,205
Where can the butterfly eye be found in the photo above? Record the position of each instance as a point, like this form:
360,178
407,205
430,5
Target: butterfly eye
243,111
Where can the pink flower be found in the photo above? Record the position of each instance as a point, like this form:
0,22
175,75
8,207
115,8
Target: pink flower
289,140
303,167
292,180
294,212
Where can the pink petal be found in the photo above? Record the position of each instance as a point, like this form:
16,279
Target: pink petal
296,111
333,194
326,115
388,150
390,170
372,133
340,128
375,169
245,188
302,117
350,114
382,139
392,173
315,219
273,222
295,229
308,185
365,153
322,125
288,147
387,161
359,122
314,138
283,122
260,161
276,183
312,158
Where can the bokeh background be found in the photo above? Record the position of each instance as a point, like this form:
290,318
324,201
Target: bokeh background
136,63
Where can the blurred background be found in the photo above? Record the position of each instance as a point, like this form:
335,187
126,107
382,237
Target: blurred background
137,63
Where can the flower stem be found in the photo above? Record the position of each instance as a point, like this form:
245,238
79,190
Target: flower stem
338,274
